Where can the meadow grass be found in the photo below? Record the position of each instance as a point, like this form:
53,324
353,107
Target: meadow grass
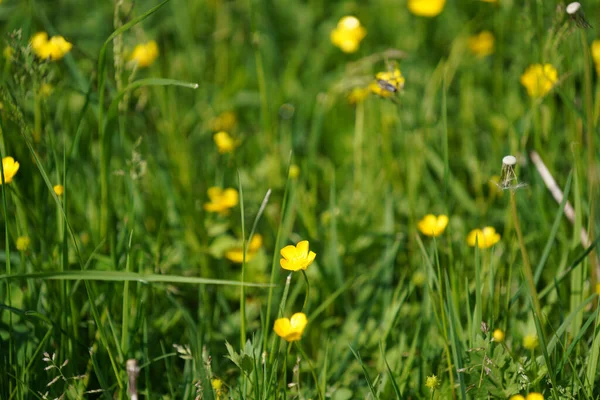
136,278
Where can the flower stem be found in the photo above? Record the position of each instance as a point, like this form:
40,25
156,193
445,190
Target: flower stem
307,291
310,366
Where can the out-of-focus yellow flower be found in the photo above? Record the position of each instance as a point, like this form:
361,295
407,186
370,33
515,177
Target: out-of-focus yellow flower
419,278
596,54
236,254
426,8
539,79
145,54
219,387
482,44
54,48
530,342
23,243
294,171
534,396
225,143
46,89
387,83
431,225
59,190
485,238
221,201
498,335
517,397
291,329
296,257
358,94
225,121
598,288
432,382
348,34
8,53
10,167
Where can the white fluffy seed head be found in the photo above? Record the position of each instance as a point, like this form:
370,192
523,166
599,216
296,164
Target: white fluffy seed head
573,7
509,160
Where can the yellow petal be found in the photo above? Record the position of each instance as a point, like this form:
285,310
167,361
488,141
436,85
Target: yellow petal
288,252
282,327
302,249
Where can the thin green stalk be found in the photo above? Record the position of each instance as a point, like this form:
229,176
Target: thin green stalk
125,322
359,127
242,288
307,292
312,369
8,266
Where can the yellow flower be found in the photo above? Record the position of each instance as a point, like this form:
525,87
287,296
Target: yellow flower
426,8
431,225
296,257
225,121
482,44
358,95
348,34
291,329
221,200
8,53
432,382
598,288
530,342
236,254
54,48
419,278
10,167
59,190
485,238
539,79
294,171
517,397
596,54
534,396
218,386
224,142
23,243
46,89
498,335
387,83
145,54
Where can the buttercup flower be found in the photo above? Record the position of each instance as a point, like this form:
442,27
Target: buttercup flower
387,83
291,329
485,238
517,397
10,167
431,225
426,8
225,143
482,44
348,34
534,396
539,79
236,254
54,48
221,200
596,54
219,387
432,382
23,243
530,342
358,95
296,257
498,335
59,190
145,54
294,171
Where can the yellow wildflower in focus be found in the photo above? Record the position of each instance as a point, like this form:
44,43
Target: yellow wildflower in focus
225,121
358,95
596,54
59,190
534,396
23,243
291,329
432,382
498,335
348,34
54,48
10,167
296,257
485,238
482,44
221,200
8,53
426,8
236,254
294,171
539,79
225,143
387,83
517,397
530,342
145,54
431,225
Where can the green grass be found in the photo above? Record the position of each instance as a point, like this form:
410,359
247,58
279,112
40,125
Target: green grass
129,265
